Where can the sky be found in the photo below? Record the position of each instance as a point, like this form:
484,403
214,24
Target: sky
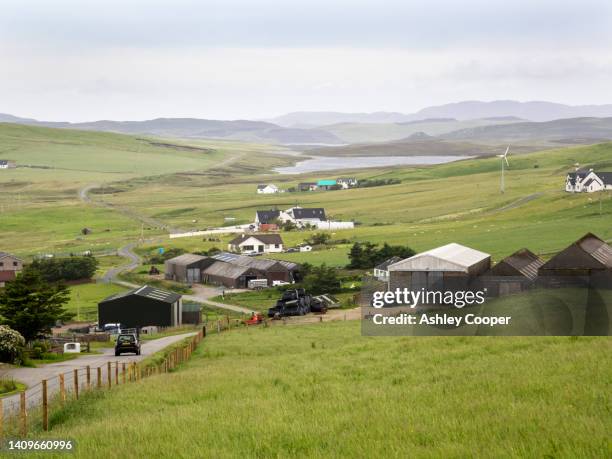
243,59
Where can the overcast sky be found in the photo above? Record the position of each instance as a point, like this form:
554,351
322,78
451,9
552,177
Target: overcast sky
86,60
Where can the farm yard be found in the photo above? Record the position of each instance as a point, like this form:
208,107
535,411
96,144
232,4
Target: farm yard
324,390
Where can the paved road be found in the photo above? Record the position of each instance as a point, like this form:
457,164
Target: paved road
134,262
33,376
202,294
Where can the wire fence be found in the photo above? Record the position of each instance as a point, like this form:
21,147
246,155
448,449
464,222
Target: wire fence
31,409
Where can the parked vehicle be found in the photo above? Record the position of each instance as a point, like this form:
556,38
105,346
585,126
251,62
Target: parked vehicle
127,343
276,283
255,319
258,284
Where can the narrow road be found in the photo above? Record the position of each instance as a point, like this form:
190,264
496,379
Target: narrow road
126,251
32,377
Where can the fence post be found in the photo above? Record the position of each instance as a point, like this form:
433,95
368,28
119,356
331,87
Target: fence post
76,384
123,372
218,326
99,377
116,373
109,376
45,406
1,419
88,377
23,414
62,388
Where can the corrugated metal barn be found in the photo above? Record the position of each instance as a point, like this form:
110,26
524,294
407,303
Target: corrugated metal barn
229,275
142,307
186,268
447,268
272,270
513,274
586,260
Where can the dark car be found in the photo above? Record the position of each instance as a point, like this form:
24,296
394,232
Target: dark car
127,343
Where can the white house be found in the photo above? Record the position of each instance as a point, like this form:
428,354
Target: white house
256,243
267,189
6,164
347,182
589,181
301,217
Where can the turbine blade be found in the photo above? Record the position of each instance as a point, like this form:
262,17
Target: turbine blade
507,161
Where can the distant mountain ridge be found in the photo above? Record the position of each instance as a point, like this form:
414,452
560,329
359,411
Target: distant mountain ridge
466,110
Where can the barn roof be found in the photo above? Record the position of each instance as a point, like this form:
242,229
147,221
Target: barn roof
224,269
524,261
588,252
186,259
147,291
265,238
450,257
262,264
385,264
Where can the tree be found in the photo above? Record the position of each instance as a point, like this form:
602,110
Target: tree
365,255
32,306
11,344
64,269
318,239
322,279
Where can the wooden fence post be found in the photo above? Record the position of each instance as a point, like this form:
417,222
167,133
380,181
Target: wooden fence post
62,388
88,377
99,377
23,414
45,406
123,372
116,373
76,383
218,326
109,376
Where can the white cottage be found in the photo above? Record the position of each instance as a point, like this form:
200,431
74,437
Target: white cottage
267,189
256,243
589,181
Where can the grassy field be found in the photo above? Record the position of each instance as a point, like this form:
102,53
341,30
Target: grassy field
84,299
325,391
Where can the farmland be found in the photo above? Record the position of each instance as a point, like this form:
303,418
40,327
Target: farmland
324,390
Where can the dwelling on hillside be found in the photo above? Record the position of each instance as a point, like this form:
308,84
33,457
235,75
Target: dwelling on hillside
381,271
451,267
327,185
347,182
588,261
267,189
298,215
267,217
513,274
307,186
143,306
7,164
186,268
256,243
10,265
583,181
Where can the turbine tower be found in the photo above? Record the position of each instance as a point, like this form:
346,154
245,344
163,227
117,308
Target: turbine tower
503,157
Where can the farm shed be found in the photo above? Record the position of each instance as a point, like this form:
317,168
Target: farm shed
229,275
265,268
513,274
381,271
186,268
192,314
587,260
142,307
447,268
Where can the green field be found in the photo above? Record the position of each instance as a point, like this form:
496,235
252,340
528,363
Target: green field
84,299
325,391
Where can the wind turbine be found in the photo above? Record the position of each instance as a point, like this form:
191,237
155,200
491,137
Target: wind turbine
503,157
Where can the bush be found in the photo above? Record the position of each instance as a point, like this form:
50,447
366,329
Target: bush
7,385
11,345
65,269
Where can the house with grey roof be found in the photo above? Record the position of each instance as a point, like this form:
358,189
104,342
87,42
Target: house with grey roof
583,181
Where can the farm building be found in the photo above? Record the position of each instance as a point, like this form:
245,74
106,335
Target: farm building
347,182
447,268
273,270
327,185
7,164
513,274
583,181
144,306
307,186
586,260
267,189
10,265
257,243
381,272
229,275
186,268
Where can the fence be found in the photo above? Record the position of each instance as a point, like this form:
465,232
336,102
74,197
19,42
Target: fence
20,412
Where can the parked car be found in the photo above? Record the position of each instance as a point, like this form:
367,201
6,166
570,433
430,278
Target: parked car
127,343
292,250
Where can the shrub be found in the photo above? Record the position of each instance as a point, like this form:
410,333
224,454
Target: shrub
65,269
11,345
7,385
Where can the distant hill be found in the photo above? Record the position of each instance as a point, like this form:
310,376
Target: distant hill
255,131
415,145
497,110
566,131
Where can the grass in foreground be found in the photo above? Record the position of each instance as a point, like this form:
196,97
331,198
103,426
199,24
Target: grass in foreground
326,391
